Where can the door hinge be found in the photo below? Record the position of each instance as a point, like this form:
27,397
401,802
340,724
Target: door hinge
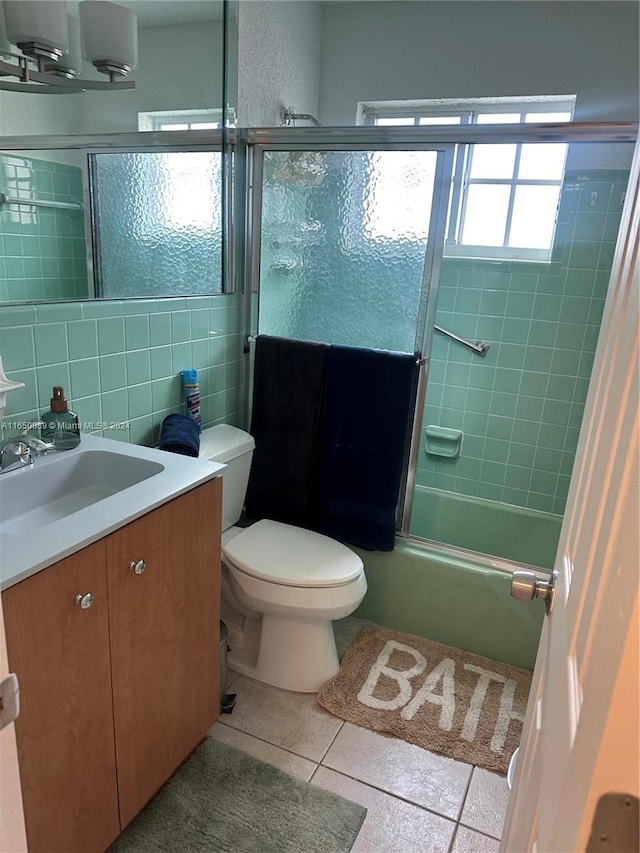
9,699
615,825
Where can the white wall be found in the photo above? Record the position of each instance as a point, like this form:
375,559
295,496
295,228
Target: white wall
22,114
180,67
278,59
412,50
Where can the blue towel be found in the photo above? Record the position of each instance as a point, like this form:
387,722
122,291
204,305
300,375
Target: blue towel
287,398
366,428
180,434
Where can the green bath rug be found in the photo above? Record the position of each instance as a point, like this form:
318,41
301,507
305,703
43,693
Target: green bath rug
222,799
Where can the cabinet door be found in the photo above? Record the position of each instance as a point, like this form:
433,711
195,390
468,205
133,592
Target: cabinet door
60,652
164,639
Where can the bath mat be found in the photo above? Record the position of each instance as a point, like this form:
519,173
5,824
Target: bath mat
223,800
446,700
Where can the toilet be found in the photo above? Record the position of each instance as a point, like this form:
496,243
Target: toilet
282,586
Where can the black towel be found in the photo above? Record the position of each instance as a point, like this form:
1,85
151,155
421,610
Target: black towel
366,427
180,434
287,398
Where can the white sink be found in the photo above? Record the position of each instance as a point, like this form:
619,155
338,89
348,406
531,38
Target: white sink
36,496
69,499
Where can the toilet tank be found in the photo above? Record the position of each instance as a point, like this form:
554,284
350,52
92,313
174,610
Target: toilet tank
233,447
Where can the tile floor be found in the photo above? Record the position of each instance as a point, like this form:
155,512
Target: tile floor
417,802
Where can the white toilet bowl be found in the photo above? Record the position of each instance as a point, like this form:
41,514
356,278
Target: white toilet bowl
282,586
289,584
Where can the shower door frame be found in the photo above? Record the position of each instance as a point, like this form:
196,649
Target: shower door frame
250,148
247,146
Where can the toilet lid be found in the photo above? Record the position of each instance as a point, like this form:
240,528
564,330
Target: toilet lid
292,556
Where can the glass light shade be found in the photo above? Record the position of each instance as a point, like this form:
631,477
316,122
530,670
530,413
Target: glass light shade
41,21
5,47
109,33
74,58
70,63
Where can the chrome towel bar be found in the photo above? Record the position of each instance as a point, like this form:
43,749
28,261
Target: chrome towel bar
40,202
477,346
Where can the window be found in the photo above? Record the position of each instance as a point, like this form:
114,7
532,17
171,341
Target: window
504,197
181,120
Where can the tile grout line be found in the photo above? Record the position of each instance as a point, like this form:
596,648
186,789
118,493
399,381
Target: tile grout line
333,740
479,831
394,796
466,794
353,778
453,838
269,743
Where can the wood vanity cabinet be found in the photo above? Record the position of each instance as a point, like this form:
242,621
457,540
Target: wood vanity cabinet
65,727
114,696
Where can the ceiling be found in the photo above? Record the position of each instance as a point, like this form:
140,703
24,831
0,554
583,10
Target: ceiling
163,13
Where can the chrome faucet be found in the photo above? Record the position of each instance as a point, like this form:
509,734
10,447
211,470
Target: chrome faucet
18,451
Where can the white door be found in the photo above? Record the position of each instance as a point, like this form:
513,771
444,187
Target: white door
581,731
12,837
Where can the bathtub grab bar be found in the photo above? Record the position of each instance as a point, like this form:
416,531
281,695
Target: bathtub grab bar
478,346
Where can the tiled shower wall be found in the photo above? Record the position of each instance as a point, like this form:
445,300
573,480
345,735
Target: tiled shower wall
42,249
120,361
521,406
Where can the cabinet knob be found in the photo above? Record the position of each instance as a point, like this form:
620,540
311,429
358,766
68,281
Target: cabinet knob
84,601
137,566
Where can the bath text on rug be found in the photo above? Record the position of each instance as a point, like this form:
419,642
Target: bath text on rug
441,677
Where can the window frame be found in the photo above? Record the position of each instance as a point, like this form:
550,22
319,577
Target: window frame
193,119
467,112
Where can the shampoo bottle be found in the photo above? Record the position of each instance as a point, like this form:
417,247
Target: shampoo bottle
61,427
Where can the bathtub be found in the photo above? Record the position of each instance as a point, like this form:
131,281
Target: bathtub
514,533
457,599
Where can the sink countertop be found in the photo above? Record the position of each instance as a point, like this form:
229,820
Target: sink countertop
22,554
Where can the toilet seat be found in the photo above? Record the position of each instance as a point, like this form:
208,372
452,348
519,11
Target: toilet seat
292,556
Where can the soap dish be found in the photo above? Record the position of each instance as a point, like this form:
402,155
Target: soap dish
441,441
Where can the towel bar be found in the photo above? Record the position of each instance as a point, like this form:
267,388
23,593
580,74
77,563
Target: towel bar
251,339
479,346
40,202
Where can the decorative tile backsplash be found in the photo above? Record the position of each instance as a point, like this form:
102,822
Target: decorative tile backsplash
42,249
120,361
520,407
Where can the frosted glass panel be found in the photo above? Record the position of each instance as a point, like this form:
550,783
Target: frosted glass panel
344,236
159,223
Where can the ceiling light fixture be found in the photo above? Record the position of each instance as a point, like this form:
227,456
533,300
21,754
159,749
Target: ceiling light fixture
50,41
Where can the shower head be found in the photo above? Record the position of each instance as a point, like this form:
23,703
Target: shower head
289,116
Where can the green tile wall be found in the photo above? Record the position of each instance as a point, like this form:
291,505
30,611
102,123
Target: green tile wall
42,250
521,406
120,361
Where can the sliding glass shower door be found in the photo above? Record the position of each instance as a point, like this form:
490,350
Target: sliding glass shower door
347,243
375,245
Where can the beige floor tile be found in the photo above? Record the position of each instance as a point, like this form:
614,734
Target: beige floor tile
470,841
274,755
293,721
486,803
391,825
346,630
232,677
429,780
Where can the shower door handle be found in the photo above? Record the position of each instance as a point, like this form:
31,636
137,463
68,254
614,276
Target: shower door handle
525,586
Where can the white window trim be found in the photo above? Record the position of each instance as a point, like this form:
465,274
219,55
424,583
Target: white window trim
151,121
369,110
